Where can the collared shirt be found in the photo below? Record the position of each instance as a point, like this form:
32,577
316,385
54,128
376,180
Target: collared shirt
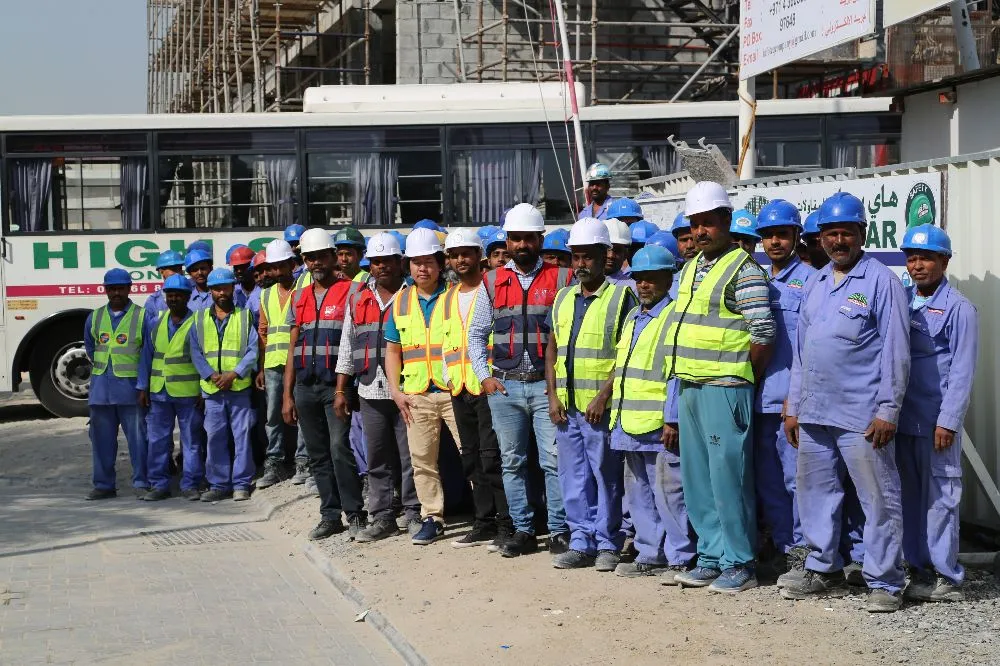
379,388
851,360
200,300
298,271
944,343
108,389
391,333
602,210
623,276
240,296
146,356
787,288
248,362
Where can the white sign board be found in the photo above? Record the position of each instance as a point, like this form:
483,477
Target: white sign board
897,11
776,32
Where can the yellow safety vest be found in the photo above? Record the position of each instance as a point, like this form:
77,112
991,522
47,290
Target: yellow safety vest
224,352
456,345
304,280
172,366
362,276
707,340
278,331
640,388
118,347
594,345
422,362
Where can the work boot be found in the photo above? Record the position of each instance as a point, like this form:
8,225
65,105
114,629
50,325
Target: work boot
99,494
214,495
504,532
520,543
852,572
412,525
355,523
558,543
931,587
796,561
378,530
325,529
191,494
140,491
301,473
480,534
573,559
156,495
640,570
883,601
241,495
817,584
607,560
272,473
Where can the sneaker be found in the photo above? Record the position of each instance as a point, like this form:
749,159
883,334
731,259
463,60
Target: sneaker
573,559
640,570
669,576
356,522
241,495
852,572
378,530
325,529
311,486
479,535
430,531
99,494
920,586
883,601
413,525
697,577
191,494
301,473
272,473
558,543
504,532
734,579
140,491
817,584
156,495
607,560
214,495
795,559
519,543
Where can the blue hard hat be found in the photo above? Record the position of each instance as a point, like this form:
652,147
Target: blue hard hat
203,246
811,226
778,213
177,283
559,233
401,238
196,257
642,231
232,248
680,224
624,207
293,232
666,240
169,258
220,276
117,277
653,258
499,237
427,224
842,207
555,243
744,223
484,232
927,237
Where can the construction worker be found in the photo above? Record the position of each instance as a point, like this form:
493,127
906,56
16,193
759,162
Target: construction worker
259,276
224,352
944,342
512,305
721,336
168,386
414,334
239,261
644,426
639,233
744,230
625,209
598,180
198,264
496,250
668,241
480,446
168,263
362,359
586,320
316,320
350,244
554,248
681,229
810,236
621,241
850,368
112,337
292,234
779,227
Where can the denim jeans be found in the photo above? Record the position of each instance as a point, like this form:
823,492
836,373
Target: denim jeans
275,427
526,407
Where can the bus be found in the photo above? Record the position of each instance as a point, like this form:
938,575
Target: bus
82,194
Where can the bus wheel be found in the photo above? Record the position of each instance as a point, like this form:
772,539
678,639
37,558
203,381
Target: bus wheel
60,373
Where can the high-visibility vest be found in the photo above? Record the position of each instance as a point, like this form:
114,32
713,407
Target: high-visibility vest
455,345
368,345
520,316
119,346
593,348
278,330
223,352
320,326
707,340
172,366
421,343
304,280
640,388
361,276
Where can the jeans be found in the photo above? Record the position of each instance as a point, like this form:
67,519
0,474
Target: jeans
515,415
388,458
278,432
427,410
481,458
330,457
104,423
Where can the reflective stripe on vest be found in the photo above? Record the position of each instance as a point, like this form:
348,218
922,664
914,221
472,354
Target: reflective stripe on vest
368,345
361,276
304,280
455,345
172,367
421,343
278,330
707,340
223,352
640,387
320,326
594,345
118,346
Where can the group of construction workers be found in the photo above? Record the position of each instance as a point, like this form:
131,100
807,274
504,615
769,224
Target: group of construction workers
655,400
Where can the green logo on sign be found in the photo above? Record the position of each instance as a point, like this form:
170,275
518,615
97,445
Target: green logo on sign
920,206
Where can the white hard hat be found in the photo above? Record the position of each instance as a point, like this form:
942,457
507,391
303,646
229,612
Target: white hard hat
315,239
704,197
524,217
464,237
589,231
618,231
421,243
278,250
383,244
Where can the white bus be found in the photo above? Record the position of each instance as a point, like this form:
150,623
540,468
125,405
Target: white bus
82,194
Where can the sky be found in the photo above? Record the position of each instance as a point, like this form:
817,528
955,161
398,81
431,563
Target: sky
72,56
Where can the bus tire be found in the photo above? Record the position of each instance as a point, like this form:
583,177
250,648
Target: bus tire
60,372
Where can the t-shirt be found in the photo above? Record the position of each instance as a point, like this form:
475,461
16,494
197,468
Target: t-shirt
465,301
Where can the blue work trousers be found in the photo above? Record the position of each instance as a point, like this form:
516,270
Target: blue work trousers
826,456
774,473
655,495
590,476
515,415
717,469
278,432
932,492
359,445
104,423
160,430
229,414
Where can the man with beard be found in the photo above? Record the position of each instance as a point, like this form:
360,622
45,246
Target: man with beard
850,368
598,187
198,264
586,320
240,260
810,237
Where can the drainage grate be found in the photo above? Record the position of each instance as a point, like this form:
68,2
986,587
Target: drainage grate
197,536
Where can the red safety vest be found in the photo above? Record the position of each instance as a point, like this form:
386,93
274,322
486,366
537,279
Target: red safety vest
369,340
320,325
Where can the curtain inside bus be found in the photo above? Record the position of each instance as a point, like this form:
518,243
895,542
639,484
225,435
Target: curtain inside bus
375,177
134,191
281,174
501,179
31,184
